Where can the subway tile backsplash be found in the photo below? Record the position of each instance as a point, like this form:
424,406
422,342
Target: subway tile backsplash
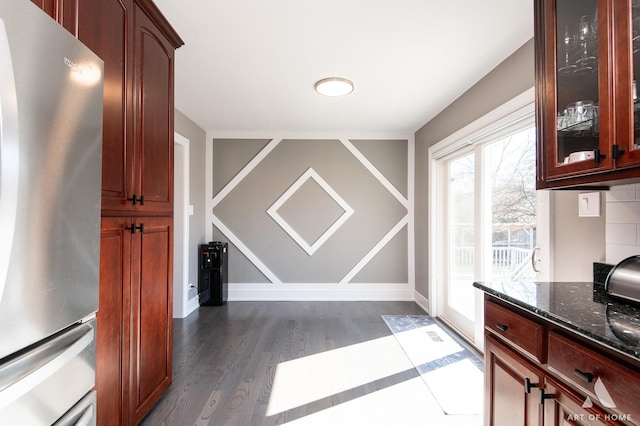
622,222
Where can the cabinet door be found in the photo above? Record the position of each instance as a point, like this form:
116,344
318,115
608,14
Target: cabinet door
151,313
115,260
153,120
508,402
103,27
564,407
627,61
574,87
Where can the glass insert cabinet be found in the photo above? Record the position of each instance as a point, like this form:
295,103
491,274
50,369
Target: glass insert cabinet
587,107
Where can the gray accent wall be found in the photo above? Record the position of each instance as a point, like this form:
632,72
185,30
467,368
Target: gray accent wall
279,215
197,193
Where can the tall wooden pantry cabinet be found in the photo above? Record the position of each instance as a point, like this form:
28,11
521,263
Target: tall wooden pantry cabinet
134,334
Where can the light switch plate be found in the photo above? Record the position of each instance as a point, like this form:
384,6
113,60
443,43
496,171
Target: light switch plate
589,204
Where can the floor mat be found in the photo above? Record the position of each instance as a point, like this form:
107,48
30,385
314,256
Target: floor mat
453,373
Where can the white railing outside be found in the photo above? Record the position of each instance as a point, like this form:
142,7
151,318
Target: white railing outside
505,260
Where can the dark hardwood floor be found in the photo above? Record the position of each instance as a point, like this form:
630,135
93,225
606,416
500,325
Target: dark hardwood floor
225,358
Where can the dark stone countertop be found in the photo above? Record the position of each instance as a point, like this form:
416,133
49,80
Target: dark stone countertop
578,306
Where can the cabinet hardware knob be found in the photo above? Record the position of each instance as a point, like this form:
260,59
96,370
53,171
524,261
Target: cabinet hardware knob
544,396
587,377
135,200
502,327
528,385
616,152
597,156
133,228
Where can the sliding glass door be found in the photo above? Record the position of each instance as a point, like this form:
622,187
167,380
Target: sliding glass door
488,221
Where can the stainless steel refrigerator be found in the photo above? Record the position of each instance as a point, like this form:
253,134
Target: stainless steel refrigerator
50,175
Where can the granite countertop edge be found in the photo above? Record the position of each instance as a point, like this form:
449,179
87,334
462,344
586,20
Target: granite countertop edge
563,322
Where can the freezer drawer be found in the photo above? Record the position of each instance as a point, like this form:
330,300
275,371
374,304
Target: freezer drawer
38,386
84,413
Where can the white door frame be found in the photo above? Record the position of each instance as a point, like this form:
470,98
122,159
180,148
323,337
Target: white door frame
181,304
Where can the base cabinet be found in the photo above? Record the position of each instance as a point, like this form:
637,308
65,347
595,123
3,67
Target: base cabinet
509,386
134,360
536,384
150,313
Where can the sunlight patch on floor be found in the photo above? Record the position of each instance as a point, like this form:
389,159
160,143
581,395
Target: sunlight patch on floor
461,381
311,378
408,403
420,347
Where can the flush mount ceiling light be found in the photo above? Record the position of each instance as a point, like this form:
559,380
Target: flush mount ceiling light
334,86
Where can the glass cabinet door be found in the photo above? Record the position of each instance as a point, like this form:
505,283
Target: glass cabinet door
627,62
577,105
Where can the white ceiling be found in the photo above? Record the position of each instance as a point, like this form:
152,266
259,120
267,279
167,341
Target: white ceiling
249,66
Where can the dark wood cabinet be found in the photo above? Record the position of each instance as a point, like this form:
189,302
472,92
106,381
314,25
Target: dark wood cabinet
150,313
115,276
587,111
152,172
134,343
135,307
137,174
537,374
510,398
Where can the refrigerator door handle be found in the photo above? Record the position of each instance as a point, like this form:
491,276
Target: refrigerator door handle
9,164
82,414
29,370
87,416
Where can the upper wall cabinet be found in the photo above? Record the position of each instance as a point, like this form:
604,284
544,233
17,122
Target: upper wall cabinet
587,62
138,103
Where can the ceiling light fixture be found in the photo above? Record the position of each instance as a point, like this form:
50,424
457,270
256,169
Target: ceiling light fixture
334,86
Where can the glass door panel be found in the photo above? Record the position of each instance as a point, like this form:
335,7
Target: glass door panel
511,193
461,236
577,81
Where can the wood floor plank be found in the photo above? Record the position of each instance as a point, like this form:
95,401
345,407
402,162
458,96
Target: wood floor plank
226,357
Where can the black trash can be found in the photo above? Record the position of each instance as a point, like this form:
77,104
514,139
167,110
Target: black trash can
212,273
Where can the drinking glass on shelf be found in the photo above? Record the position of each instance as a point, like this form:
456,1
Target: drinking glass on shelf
568,44
586,40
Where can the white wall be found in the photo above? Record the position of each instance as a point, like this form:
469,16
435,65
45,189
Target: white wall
576,242
622,222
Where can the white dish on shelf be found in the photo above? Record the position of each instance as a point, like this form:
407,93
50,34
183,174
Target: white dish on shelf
581,156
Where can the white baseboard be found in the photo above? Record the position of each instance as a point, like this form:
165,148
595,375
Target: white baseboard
320,292
192,305
421,301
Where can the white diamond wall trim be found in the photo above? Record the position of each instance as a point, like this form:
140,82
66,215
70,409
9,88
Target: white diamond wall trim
273,211
319,270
